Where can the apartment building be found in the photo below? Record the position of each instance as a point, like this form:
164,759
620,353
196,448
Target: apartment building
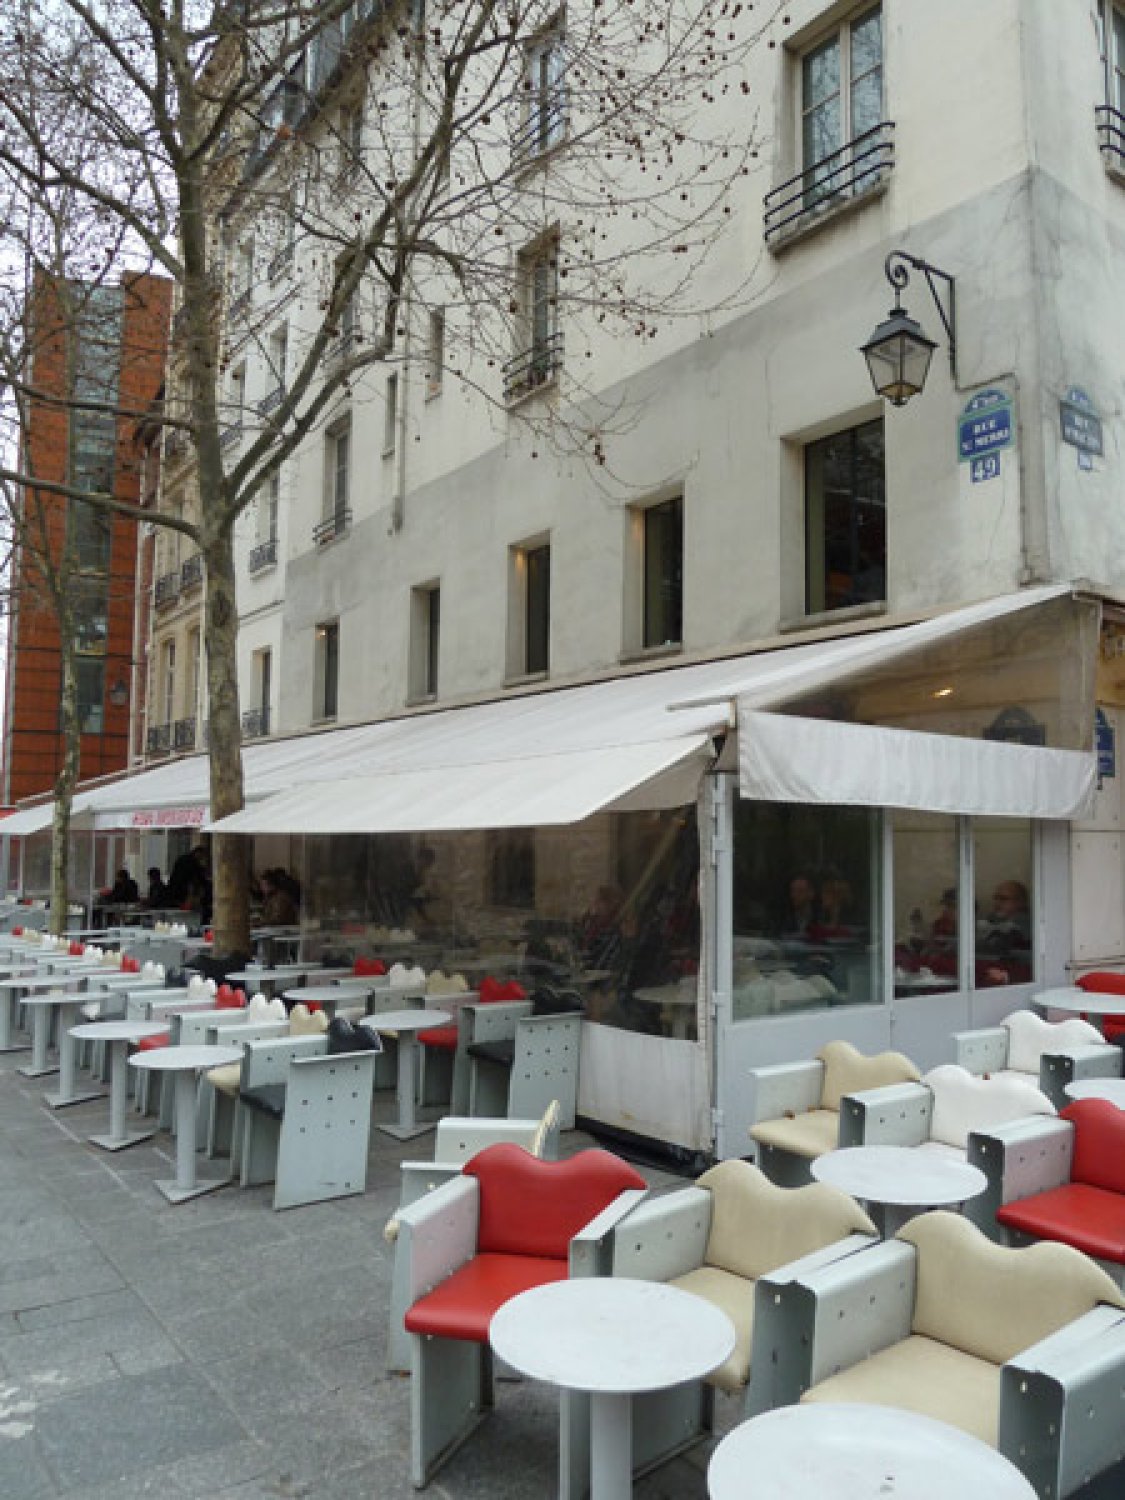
881,627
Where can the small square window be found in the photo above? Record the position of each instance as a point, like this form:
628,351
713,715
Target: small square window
845,519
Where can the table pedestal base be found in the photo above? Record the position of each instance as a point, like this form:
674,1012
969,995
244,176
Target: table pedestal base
120,1142
31,1071
67,1094
611,1446
408,1132
62,1100
175,1193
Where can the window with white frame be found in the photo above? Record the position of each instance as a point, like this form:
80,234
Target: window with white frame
425,641
350,139
195,662
845,145
662,573
390,415
168,681
326,670
236,403
269,505
277,356
529,632
435,351
337,480
846,519
1110,116
243,275
256,720
543,112
538,356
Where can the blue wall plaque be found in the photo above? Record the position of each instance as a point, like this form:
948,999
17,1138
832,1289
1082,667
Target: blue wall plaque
1105,742
985,426
1081,425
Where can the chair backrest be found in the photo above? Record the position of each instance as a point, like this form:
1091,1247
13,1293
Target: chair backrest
492,990
306,1022
963,1102
533,1207
369,967
849,1071
757,1226
1029,1036
991,1301
1102,982
1099,1144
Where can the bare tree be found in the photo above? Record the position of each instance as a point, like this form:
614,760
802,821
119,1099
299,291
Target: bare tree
522,170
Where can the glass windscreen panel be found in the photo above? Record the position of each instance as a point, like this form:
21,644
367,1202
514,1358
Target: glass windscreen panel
927,942
1002,902
604,914
806,909
1027,678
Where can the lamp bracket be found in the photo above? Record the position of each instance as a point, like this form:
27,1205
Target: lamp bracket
898,274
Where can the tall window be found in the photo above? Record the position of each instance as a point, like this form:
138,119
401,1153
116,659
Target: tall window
351,139
168,681
338,450
326,670
531,610
538,356
543,122
278,359
243,277
90,681
662,569
390,415
1112,26
257,721
845,519
841,100
435,352
1002,901
425,640
268,507
195,660
926,903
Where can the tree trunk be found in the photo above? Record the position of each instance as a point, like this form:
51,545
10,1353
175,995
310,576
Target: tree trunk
65,783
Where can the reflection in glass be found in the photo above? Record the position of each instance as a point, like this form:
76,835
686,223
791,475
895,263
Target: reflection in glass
806,908
1002,866
925,903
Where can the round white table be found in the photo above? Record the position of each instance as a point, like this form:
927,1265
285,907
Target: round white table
838,1451
405,1024
117,1035
185,1064
612,1337
12,991
330,996
902,1179
68,1004
1112,1089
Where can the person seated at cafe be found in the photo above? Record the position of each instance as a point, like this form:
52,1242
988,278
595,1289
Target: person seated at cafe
279,907
156,897
124,891
802,907
1004,937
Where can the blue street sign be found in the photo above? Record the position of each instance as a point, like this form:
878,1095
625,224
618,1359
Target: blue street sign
1081,425
985,426
1105,742
984,468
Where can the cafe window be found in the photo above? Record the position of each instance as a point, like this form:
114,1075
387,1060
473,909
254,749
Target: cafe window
807,908
927,946
1002,902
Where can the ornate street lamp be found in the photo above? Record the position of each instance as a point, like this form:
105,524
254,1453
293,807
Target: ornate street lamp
898,353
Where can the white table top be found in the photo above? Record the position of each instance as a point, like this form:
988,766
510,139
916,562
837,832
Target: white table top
1112,1089
62,997
857,1452
325,994
611,1335
117,1031
900,1175
181,1059
40,981
405,1020
1072,998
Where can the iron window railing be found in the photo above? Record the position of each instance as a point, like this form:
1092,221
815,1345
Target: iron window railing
264,555
183,734
167,588
533,367
158,741
849,173
332,526
256,723
271,400
191,572
230,435
544,128
1111,135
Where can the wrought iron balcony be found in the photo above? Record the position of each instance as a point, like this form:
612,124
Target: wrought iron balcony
544,128
191,572
158,741
230,435
1111,136
271,400
167,589
256,723
183,734
533,367
855,170
263,556
332,526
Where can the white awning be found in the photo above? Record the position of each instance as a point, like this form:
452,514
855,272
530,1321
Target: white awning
524,792
784,758
28,820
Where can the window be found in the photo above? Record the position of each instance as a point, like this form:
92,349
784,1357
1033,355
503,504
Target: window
168,681
1112,29
278,356
425,641
841,112
543,116
337,482
1002,896
256,720
195,661
326,670
538,340
390,415
236,401
530,611
662,570
511,867
268,507
243,279
351,140
845,520
435,352
926,903
89,675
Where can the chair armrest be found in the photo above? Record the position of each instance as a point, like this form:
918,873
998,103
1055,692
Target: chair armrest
1060,1403
812,1325
591,1249
459,1137
896,1115
785,1089
495,1022
1019,1159
436,1235
663,1237
231,1034
982,1051
268,1062
1057,1069
422,1177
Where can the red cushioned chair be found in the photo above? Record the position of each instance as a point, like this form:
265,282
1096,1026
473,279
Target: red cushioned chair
1086,1207
226,998
451,1040
1104,982
509,1222
369,966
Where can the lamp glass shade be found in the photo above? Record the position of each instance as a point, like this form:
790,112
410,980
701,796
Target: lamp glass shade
898,358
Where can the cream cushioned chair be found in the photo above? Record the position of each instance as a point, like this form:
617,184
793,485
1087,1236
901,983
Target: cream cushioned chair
962,1103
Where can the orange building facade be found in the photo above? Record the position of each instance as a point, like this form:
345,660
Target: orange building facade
105,348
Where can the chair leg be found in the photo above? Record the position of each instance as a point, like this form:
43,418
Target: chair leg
260,1137
450,1392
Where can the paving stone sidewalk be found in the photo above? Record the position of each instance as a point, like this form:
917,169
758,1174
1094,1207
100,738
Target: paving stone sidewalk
218,1349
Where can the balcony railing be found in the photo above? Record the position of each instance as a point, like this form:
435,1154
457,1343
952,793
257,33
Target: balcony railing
533,367
158,741
332,526
856,169
175,444
191,572
1111,136
230,435
271,400
543,129
256,723
263,556
183,734
167,589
